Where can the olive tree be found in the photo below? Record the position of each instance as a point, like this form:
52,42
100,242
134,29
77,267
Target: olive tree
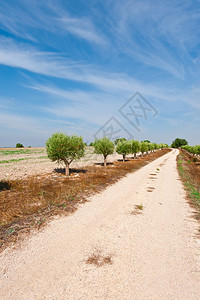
64,148
124,148
198,149
144,147
135,147
105,147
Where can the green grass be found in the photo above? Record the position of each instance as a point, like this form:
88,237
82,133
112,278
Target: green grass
10,152
20,159
139,207
12,160
20,151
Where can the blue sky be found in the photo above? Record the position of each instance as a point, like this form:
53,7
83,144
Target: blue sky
71,65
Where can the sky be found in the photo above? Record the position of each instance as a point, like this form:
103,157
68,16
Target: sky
93,68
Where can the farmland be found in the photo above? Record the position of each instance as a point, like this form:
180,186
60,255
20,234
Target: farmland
20,163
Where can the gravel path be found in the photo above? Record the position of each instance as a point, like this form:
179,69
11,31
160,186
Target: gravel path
149,253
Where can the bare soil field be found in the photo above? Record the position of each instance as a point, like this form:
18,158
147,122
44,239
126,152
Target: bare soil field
19,163
135,240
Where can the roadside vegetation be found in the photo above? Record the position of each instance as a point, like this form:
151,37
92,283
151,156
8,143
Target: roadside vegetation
194,150
189,170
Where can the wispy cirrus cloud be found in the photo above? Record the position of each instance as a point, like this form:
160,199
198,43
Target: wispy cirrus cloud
157,35
82,28
23,56
53,65
28,23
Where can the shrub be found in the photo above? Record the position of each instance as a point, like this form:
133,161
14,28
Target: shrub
65,148
105,147
19,145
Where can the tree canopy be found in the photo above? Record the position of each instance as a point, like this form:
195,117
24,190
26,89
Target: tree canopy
105,147
124,148
64,148
178,143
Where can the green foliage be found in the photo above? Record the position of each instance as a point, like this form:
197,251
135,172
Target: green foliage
146,141
155,146
144,147
161,146
19,145
198,149
124,148
104,146
192,149
65,148
150,146
178,143
119,140
135,146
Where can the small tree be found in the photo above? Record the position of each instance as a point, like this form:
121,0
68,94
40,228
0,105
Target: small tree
135,147
19,145
150,147
105,147
123,148
143,147
155,147
65,148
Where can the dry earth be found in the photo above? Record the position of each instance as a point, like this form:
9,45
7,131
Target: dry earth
135,240
35,162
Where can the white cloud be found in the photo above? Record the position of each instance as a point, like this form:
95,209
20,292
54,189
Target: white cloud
83,28
27,21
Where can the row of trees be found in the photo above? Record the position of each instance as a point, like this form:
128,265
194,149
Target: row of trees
133,147
63,148
195,150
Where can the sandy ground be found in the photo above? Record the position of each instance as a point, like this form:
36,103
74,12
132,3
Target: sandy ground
36,163
155,253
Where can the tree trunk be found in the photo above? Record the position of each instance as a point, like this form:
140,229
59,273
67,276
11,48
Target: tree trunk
134,155
124,158
66,168
104,161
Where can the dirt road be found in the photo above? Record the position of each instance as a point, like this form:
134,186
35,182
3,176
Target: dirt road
145,252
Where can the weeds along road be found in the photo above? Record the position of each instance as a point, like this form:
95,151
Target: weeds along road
110,248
